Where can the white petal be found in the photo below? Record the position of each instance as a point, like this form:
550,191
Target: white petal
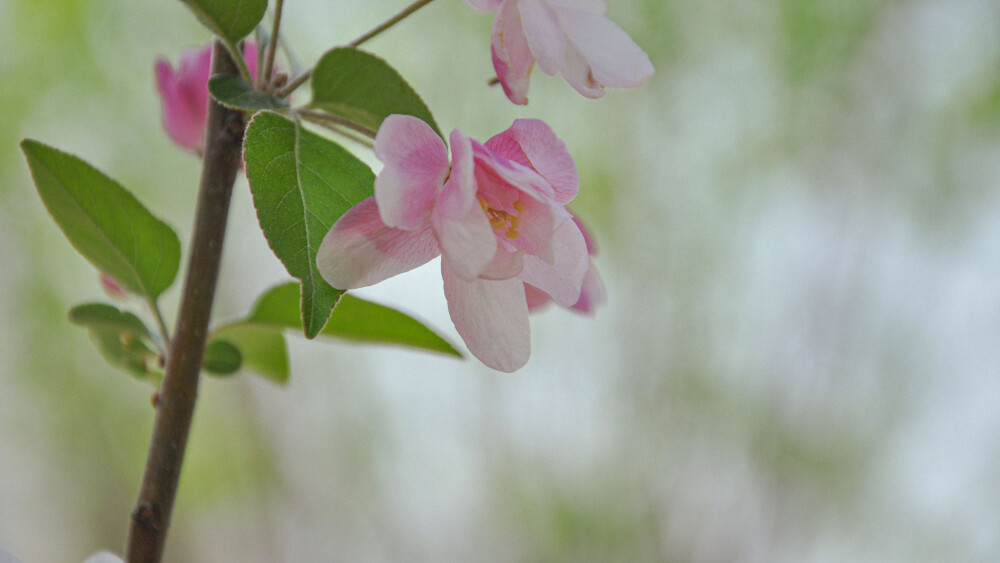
615,60
492,318
545,38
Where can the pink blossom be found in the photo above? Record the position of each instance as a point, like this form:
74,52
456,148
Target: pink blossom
571,37
496,213
184,93
592,293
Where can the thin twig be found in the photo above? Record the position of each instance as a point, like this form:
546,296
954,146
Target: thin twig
179,391
293,85
390,22
271,44
299,80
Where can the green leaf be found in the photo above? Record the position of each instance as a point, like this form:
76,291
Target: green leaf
354,319
121,338
364,321
100,315
301,184
230,19
363,88
262,347
222,357
104,222
124,351
234,92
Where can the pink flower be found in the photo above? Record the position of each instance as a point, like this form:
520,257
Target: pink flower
571,37
592,292
496,214
184,94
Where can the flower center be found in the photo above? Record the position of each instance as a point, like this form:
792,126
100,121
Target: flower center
502,221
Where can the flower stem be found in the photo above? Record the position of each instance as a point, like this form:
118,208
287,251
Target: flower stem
390,22
176,400
265,80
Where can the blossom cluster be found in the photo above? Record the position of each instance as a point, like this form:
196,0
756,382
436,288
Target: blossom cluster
495,211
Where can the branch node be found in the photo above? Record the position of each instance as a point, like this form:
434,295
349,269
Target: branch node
144,516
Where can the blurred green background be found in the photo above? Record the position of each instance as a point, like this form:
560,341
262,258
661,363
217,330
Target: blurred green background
799,224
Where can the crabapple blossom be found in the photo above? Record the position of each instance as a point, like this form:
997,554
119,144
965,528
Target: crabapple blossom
571,37
495,213
184,94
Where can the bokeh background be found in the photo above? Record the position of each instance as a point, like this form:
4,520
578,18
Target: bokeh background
799,220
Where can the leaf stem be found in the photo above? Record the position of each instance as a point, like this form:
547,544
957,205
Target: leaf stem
259,37
178,392
271,44
390,22
324,118
237,56
161,325
293,84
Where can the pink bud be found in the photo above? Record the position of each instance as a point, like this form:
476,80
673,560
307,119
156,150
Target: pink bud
112,287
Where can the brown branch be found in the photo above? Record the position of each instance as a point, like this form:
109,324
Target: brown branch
175,406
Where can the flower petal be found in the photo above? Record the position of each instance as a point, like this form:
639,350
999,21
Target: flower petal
416,165
492,318
536,298
496,172
532,143
536,225
545,38
577,71
467,242
184,96
512,59
612,58
360,250
591,294
459,193
504,265
563,278
587,236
